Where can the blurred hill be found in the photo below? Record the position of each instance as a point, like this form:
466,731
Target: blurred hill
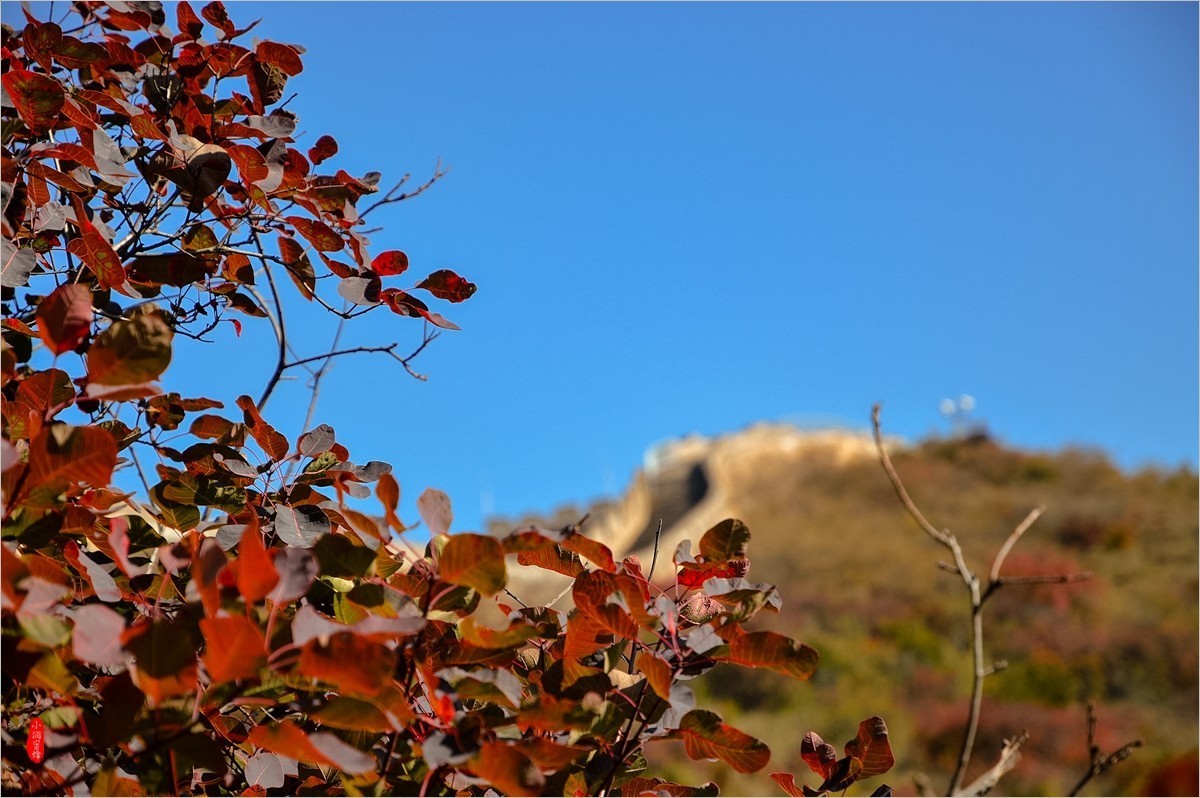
860,583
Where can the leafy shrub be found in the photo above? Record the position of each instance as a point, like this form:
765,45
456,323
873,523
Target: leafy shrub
245,625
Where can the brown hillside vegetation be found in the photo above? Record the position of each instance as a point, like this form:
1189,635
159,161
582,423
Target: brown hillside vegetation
860,583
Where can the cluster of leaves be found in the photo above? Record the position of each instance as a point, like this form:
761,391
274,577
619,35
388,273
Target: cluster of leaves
868,754
241,627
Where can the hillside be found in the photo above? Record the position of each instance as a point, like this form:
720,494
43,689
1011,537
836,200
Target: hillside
860,583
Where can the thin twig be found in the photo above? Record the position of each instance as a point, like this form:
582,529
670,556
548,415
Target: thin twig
1100,762
654,557
1007,761
393,196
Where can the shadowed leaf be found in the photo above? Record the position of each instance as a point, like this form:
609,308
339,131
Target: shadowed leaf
725,541
64,318
820,756
445,284
301,525
507,769
131,351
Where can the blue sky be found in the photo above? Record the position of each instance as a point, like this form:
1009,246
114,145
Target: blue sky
690,217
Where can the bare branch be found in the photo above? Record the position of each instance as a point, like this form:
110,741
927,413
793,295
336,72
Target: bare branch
1100,762
1007,761
394,196
1048,579
1021,529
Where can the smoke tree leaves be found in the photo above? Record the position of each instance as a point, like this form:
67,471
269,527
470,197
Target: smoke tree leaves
255,609
868,754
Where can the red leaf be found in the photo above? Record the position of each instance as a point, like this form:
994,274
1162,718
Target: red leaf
320,748
445,284
775,652
510,771
322,237
706,737
388,492
235,648
325,148
60,455
872,748
819,755
388,263
407,305
96,253
657,672
189,24
284,57
64,318
299,267
215,13
272,442
38,98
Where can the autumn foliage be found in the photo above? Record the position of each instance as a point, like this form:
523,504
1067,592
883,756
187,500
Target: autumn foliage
257,620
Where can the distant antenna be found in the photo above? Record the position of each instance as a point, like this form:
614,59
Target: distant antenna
957,412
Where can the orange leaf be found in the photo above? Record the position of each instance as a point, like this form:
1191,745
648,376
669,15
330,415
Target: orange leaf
351,662
475,561
509,771
272,442
256,574
235,648
657,672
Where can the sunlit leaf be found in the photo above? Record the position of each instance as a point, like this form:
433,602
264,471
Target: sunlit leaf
872,748
349,661
38,98
389,263
235,648
434,507
475,561
776,652
271,441
788,783
705,736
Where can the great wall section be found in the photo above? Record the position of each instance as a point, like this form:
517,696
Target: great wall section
690,483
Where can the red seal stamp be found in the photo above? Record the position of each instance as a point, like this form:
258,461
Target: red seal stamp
36,744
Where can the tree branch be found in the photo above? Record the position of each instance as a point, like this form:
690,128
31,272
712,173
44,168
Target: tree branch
1007,761
1100,762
